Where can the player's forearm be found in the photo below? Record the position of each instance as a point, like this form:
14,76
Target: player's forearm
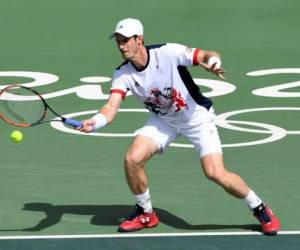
110,109
105,116
109,112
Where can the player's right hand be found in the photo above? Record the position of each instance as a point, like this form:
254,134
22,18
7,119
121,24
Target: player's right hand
87,126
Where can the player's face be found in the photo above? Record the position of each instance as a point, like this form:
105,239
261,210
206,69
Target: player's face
128,46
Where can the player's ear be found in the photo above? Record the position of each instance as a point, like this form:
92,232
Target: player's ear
140,39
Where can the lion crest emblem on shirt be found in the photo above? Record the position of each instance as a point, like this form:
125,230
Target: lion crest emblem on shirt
160,102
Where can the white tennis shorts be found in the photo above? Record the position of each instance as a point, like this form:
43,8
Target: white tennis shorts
200,130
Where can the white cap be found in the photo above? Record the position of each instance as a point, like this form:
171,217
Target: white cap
128,27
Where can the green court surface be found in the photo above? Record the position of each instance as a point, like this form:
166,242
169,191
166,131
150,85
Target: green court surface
56,183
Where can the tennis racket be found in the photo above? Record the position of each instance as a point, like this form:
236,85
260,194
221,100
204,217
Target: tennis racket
24,107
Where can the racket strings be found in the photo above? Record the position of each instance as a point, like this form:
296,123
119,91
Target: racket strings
21,106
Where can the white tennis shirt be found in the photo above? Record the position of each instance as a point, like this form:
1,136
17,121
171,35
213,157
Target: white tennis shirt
164,85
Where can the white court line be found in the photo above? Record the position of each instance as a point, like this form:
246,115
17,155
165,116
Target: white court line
132,235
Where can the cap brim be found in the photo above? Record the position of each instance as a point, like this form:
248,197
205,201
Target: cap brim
114,35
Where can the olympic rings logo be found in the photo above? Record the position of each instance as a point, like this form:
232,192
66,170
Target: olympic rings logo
93,91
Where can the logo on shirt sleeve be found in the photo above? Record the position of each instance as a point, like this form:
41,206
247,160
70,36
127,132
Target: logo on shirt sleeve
189,50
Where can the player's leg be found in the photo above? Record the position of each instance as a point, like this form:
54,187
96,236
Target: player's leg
207,143
214,169
151,139
140,151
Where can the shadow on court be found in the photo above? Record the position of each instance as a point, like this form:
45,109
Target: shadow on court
112,215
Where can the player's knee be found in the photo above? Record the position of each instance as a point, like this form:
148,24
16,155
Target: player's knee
216,175
132,161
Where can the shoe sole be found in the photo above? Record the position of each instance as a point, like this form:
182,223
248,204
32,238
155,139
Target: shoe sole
272,233
121,230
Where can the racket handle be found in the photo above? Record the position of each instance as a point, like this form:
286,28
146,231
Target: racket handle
72,122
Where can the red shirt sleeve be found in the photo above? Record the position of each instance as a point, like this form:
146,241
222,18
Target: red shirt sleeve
195,56
119,91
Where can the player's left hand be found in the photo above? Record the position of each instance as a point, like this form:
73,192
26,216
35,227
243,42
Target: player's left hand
213,69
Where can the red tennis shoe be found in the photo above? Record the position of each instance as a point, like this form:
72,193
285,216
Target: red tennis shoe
139,220
269,222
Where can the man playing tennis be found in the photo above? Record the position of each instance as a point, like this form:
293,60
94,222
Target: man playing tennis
158,77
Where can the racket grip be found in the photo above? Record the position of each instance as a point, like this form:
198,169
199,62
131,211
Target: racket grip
72,122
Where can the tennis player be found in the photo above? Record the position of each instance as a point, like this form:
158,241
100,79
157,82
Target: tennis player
157,76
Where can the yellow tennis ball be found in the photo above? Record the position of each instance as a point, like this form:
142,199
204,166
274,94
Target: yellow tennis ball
16,136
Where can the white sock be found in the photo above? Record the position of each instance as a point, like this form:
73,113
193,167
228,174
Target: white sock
252,200
144,201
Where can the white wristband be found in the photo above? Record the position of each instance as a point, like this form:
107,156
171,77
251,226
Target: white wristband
214,60
100,120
